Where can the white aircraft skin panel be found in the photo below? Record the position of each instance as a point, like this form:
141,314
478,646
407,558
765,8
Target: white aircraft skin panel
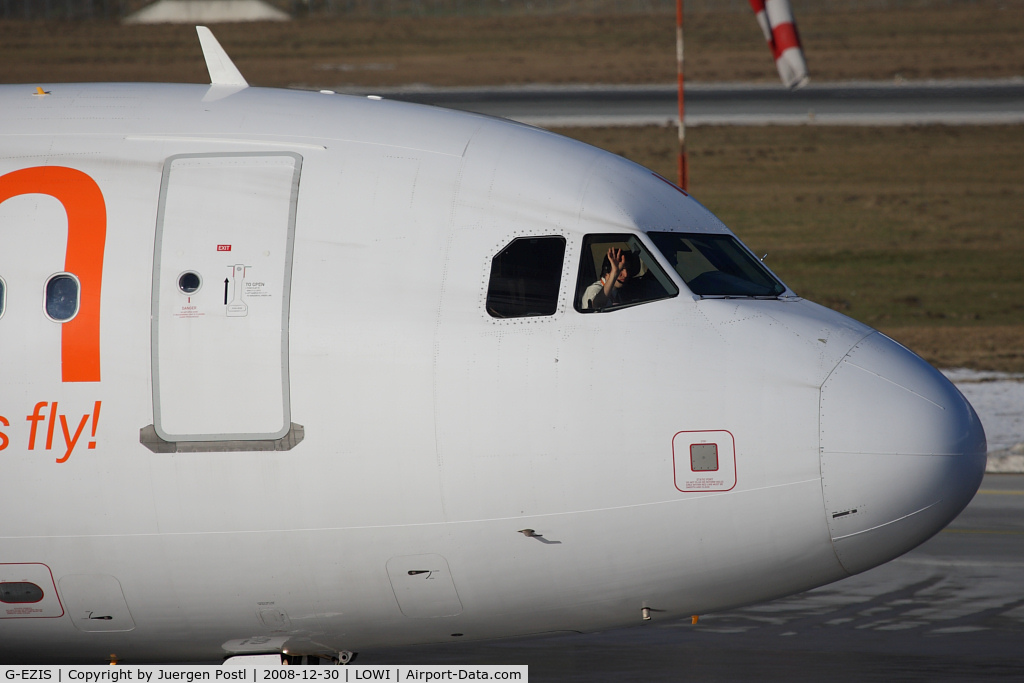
495,202
530,570
376,350
637,197
877,365
431,429
120,110
494,444
34,223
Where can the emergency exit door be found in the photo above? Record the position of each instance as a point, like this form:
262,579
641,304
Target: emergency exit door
222,275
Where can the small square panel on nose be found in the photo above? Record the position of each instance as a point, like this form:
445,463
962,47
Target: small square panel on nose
704,461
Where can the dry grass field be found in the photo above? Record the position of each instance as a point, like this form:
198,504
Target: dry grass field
961,40
917,231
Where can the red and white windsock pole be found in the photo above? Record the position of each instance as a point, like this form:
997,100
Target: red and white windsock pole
684,163
776,21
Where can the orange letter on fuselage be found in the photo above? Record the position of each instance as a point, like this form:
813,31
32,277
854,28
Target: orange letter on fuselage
87,233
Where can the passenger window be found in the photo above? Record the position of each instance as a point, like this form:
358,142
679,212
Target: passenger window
716,265
62,297
525,278
637,279
3,297
20,592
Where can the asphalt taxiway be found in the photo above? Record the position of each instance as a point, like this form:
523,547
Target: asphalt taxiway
955,102
950,610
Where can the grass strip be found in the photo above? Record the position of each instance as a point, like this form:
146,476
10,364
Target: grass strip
962,40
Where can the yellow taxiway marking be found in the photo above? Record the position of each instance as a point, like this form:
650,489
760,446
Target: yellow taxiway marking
994,492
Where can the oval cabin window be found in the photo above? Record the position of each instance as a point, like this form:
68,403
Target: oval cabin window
63,295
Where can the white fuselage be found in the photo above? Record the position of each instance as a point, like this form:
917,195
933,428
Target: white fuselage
337,446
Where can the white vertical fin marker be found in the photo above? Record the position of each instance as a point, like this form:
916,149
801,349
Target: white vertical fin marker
222,70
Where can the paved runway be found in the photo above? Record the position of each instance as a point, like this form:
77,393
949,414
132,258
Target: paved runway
950,610
855,103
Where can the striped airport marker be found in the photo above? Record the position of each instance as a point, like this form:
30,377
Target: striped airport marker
776,21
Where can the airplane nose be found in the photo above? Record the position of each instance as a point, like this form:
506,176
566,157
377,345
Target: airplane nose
902,452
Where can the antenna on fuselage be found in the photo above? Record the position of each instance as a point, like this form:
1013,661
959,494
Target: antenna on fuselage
222,70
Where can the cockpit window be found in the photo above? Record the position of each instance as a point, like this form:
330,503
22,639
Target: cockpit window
716,265
525,277
617,271
3,297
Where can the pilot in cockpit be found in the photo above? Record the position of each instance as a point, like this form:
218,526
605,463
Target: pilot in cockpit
611,289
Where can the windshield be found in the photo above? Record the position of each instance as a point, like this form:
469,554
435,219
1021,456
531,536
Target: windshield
716,265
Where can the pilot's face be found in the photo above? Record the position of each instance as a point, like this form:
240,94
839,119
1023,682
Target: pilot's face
622,277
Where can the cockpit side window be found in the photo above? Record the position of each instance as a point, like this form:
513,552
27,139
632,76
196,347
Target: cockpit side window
635,278
525,278
716,265
3,297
